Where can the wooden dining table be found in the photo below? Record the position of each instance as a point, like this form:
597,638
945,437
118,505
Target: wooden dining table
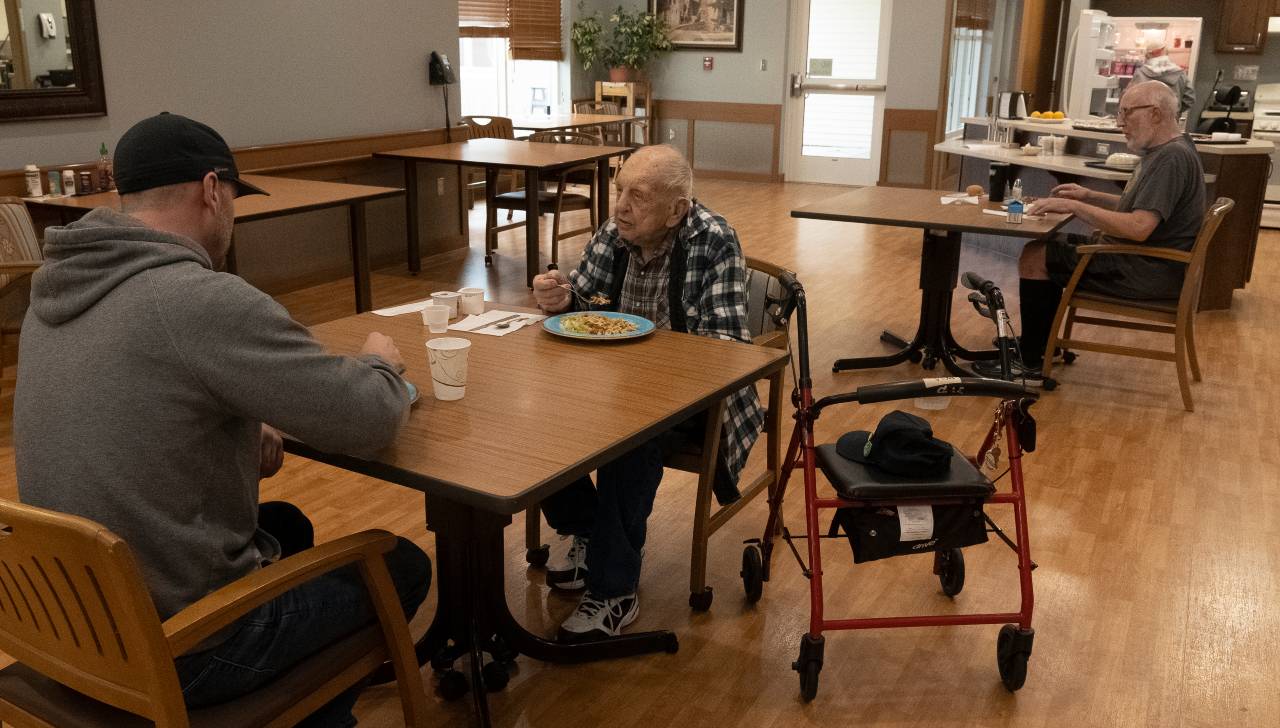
547,122
540,411
943,226
533,158
285,197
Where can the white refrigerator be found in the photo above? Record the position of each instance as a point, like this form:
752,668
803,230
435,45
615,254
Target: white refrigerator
1104,51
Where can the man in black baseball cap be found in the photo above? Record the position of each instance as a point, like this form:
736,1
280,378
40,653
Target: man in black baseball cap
902,444
168,149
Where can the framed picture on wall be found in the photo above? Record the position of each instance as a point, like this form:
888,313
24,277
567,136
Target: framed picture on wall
705,24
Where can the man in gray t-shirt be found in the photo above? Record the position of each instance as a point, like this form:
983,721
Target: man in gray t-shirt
1162,206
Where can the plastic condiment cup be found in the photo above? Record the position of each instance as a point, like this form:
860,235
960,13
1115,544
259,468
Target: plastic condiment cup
436,318
447,298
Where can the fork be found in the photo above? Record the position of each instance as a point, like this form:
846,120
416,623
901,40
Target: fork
581,298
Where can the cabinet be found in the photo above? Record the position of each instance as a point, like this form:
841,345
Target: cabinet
633,97
1243,25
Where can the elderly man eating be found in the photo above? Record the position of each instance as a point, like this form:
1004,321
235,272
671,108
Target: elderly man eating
1162,205
665,257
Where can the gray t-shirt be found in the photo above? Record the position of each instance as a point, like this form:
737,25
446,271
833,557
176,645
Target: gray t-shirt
1169,181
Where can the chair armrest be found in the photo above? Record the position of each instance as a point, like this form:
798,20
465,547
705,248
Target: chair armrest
20,266
216,610
1111,249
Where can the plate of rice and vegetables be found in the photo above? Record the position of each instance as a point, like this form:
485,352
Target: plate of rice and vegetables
598,325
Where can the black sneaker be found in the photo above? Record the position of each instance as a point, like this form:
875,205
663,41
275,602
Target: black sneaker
1019,373
596,618
569,572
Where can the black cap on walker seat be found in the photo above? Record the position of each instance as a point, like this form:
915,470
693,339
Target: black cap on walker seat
902,444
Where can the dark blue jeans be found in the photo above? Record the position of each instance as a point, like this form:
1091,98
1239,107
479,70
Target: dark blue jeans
288,629
612,513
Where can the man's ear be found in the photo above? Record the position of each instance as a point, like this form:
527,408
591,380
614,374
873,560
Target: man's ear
210,190
679,209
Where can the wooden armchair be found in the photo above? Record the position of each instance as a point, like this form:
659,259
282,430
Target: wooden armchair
20,256
769,305
487,127
556,201
92,651
1174,316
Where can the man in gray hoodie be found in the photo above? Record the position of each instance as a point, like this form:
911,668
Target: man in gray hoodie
149,389
1160,68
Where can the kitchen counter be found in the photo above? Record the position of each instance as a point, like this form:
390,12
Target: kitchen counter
1072,164
1251,146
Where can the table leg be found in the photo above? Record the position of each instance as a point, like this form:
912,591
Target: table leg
414,251
472,616
933,341
603,186
360,258
531,218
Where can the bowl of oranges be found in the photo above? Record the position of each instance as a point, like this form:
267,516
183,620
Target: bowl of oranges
1047,117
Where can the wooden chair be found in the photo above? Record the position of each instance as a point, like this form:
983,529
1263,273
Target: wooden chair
632,132
555,200
1172,316
769,307
20,256
487,127
92,651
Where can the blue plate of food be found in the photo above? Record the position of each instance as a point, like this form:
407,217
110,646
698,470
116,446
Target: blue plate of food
598,325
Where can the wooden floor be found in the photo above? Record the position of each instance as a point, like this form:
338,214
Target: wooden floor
1155,530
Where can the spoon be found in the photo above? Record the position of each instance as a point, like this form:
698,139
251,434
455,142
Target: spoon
507,324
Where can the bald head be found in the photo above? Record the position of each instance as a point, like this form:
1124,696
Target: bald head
1158,95
664,168
655,191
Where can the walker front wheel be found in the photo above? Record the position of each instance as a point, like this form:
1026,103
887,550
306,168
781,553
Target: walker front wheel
949,566
1013,650
752,573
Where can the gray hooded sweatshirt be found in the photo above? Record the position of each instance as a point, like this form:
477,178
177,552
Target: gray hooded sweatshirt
1161,69
143,380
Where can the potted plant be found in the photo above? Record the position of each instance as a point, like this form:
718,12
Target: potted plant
635,39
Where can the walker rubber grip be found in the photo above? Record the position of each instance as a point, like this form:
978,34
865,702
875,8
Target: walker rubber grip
943,387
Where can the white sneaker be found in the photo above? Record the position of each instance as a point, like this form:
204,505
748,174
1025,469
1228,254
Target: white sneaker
569,572
597,618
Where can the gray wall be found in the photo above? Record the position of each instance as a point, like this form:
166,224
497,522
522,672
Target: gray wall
43,53
736,78
1209,60
915,54
259,72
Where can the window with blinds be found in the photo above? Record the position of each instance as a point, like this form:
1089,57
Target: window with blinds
532,25
482,18
535,30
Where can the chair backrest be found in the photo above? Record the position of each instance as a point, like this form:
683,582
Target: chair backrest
18,240
596,107
564,136
1189,300
74,607
769,301
489,127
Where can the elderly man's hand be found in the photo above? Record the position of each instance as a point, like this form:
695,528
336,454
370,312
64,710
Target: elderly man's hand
1071,191
382,346
271,453
1052,204
547,291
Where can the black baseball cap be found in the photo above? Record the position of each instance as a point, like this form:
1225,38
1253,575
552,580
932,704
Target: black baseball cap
168,149
902,444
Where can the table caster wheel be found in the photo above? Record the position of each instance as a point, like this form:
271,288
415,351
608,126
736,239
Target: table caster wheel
538,557
1049,384
929,363
701,601
488,261
672,646
915,357
452,685
495,676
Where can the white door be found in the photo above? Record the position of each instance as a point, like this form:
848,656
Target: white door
837,66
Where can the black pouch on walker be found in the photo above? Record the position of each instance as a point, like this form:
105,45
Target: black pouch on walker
879,532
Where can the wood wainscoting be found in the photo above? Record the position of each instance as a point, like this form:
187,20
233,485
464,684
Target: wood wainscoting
907,158
720,155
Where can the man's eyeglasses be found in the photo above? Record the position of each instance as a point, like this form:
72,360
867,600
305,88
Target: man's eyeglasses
1123,113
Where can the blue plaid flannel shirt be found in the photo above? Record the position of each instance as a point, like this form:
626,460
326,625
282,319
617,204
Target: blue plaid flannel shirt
715,305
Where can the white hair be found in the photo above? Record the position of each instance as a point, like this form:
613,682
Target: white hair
669,169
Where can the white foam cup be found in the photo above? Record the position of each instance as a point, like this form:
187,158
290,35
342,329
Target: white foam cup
472,300
447,298
436,318
448,357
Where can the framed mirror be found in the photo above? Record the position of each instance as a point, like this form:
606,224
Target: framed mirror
50,67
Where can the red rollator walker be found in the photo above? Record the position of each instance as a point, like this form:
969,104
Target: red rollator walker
879,510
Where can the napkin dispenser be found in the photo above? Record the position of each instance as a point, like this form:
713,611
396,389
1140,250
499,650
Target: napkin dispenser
1013,105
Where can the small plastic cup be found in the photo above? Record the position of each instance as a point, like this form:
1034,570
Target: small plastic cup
436,318
448,357
472,301
447,298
